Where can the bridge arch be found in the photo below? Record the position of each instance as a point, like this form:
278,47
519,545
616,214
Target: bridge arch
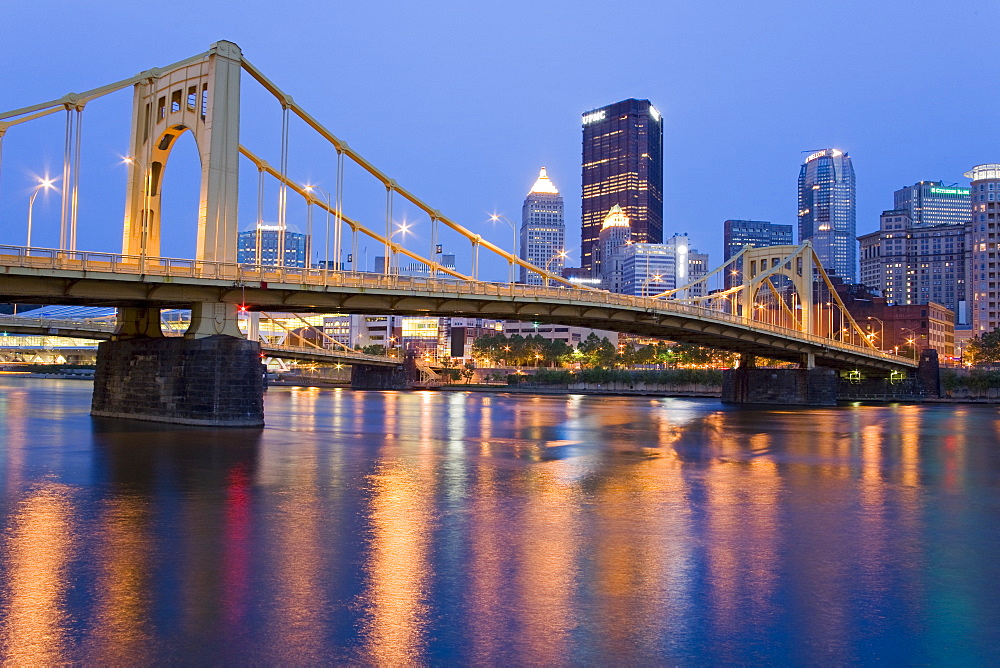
201,96
795,263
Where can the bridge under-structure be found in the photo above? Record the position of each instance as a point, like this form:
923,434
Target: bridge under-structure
98,330
780,305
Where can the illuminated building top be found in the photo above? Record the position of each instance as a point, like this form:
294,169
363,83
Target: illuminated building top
827,152
615,218
981,172
543,185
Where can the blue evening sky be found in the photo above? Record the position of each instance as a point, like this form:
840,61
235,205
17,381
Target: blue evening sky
462,102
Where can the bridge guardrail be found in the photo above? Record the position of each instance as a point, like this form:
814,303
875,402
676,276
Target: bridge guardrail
102,262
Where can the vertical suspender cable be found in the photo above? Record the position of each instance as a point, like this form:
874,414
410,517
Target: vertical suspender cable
3,130
387,260
309,231
339,218
258,251
63,220
432,269
283,189
75,201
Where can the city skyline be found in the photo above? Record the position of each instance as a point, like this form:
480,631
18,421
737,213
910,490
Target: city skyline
705,60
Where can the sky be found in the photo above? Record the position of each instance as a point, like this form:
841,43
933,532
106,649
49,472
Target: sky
462,102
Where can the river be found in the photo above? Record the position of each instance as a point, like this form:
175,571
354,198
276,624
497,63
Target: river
429,527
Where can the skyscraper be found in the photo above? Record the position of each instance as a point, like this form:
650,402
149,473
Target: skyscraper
755,233
827,211
622,165
543,232
983,287
934,203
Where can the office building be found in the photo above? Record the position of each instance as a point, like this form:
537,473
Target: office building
543,232
697,268
983,235
932,203
623,166
649,269
737,234
827,211
296,247
913,264
615,235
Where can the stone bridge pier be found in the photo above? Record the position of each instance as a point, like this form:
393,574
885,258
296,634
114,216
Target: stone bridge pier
212,376
807,385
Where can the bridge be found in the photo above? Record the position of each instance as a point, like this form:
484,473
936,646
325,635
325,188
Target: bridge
102,329
774,302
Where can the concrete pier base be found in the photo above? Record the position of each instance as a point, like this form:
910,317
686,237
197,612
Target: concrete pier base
214,381
776,387
374,377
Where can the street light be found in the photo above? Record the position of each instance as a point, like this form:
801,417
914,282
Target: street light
513,249
912,340
401,228
645,284
326,255
881,338
560,255
43,184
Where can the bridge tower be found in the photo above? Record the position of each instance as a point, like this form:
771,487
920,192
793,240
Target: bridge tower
213,376
760,264
200,95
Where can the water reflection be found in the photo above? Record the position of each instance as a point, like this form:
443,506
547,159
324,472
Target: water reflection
34,617
437,528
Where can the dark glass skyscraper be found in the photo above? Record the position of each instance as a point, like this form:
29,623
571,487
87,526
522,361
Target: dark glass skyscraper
623,165
827,211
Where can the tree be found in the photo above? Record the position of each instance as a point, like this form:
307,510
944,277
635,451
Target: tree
984,349
468,372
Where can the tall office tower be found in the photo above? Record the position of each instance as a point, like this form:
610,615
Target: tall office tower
296,247
622,165
934,203
983,233
827,211
755,233
914,264
543,232
615,235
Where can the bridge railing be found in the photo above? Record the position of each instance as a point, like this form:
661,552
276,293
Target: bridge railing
88,261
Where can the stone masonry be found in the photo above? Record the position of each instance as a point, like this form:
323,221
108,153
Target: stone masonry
213,381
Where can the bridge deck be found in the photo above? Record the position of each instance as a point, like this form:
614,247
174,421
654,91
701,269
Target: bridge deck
104,279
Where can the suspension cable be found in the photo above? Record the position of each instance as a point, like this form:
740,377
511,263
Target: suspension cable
75,200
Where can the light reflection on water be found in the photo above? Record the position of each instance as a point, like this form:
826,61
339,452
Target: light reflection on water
430,527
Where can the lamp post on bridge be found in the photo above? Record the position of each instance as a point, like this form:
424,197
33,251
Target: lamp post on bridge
326,252
513,249
43,184
401,228
912,340
560,255
645,283
881,324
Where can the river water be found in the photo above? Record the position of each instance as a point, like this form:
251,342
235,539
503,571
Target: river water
447,527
